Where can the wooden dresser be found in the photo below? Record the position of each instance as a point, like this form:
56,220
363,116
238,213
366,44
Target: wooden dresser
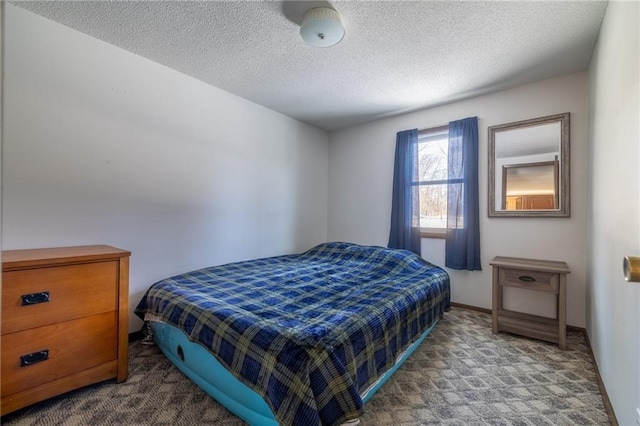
531,274
64,321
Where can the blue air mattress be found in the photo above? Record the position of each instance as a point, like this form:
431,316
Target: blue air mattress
309,333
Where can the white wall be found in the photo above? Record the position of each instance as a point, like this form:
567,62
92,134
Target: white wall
360,181
613,305
105,147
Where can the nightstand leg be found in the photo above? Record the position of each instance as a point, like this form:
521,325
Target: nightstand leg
562,312
497,301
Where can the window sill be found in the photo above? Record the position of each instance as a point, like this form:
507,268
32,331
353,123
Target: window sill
433,233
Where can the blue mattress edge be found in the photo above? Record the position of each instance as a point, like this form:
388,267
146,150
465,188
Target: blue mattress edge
210,375
199,365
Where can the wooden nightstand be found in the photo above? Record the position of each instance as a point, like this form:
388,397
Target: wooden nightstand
531,274
64,321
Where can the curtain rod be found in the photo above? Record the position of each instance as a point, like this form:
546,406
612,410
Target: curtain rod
433,130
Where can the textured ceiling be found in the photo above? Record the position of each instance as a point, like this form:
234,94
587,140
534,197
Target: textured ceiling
396,56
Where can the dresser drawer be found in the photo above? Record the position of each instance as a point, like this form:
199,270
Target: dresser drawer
534,280
55,294
72,346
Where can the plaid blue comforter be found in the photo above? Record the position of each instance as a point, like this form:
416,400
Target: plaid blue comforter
309,332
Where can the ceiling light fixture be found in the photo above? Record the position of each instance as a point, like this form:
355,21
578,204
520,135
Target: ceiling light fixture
321,27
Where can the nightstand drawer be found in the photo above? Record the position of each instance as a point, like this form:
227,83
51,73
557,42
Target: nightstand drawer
37,297
534,280
44,354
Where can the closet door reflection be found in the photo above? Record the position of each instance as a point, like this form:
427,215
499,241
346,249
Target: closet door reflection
532,186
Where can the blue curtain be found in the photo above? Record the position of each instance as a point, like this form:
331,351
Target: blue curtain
462,247
405,219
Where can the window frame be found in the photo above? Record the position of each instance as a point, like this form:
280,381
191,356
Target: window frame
429,232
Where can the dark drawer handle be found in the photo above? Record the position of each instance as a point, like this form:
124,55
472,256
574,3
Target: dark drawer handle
526,279
34,358
35,298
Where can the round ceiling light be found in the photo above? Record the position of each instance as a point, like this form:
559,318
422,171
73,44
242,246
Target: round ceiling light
321,27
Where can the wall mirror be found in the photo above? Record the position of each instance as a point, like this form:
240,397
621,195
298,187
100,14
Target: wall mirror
529,168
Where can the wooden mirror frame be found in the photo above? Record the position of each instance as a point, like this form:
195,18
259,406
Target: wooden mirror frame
564,209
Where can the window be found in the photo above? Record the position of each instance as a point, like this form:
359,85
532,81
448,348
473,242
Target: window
433,147
435,191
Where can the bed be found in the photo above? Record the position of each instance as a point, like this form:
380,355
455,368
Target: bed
302,339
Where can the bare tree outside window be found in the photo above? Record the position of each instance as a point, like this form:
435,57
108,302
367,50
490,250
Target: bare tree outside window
432,175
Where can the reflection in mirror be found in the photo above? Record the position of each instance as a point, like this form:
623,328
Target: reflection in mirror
529,167
530,186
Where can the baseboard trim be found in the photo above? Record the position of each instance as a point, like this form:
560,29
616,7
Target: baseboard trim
603,391
136,335
489,311
471,308
605,396
576,329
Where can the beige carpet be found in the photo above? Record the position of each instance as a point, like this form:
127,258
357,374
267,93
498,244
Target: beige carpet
460,375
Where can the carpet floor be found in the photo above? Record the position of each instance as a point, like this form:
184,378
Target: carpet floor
461,375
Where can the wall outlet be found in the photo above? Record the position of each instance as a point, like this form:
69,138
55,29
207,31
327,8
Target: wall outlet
638,416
